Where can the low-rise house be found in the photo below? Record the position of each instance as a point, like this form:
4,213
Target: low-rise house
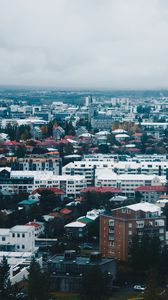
58,132
38,227
76,230
18,238
28,203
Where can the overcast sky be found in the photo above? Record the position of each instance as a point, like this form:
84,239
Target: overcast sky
115,44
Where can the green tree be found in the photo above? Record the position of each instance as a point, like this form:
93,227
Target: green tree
68,149
153,291
145,251
55,227
95,285
4,278
38,282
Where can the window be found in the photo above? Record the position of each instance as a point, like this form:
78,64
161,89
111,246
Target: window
130,232
13,235
130,225
23,235
3,238
23,246
18,235
18,247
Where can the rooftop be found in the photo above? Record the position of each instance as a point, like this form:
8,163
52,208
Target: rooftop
52,189
80,260
76,224
20,228
144,206
102,189
152,188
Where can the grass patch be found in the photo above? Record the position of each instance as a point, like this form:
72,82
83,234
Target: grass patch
125,296
119,295
64,296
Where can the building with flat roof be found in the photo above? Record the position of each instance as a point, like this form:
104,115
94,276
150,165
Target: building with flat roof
67,270
27,181
127,182
18,238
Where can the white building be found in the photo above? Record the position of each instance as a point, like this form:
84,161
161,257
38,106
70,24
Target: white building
40,164
127,182
19,263
27,181
18,238
88,167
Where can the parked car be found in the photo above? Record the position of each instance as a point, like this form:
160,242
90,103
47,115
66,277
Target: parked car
139,287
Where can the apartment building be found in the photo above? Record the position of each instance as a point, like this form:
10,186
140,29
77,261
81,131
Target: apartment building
124,157
117,229
38,163
26,181
89,168
151,193
18,238
127,182
71,185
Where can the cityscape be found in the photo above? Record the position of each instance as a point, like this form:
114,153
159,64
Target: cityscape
83,185
84,150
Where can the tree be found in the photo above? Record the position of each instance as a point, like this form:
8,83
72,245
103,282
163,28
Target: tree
4,277
68,149
55,227
138,197
153,291
38,283
103,148
95,285
145,251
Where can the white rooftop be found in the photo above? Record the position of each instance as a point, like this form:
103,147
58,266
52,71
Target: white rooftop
4,231
119,131
21,228
75,224
144,206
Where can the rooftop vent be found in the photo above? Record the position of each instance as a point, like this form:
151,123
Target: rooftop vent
95,256
70,255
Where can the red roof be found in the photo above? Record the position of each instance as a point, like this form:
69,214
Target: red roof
36,225
11,143
63,141
53,153
65,211
138,134
155,188
163,197
29,147
102,189
54,214
52,189
134,149
135,141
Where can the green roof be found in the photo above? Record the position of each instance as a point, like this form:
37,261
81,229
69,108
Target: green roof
28,202
85,220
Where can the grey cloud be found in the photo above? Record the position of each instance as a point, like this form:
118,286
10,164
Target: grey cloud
84,43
